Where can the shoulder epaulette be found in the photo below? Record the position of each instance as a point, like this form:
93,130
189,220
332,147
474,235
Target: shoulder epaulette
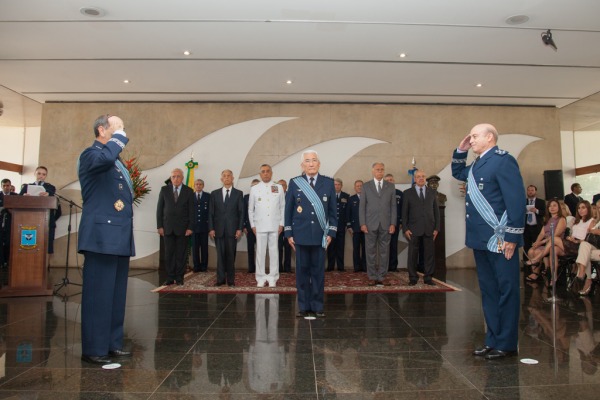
501,152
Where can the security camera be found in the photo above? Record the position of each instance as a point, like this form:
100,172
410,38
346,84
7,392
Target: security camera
547,39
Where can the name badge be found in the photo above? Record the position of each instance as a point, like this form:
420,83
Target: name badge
480,186
120,186
324,198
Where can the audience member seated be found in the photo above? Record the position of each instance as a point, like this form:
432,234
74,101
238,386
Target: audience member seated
541,248
566,212
586,254
580,228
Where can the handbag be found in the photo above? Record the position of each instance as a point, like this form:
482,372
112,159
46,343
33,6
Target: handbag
593,239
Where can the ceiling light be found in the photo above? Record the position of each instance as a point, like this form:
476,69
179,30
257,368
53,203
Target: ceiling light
547,39
94,12
126,81
402,55
479,84
187,53
289,82
517,19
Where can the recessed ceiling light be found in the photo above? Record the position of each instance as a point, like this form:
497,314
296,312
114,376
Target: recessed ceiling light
126,81
402,55
479,84
517,19
289,82
187,53
94,12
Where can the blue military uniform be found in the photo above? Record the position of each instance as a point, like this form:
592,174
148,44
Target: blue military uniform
359,259
106,240
200,236
335,251
393,264
497,177
302,223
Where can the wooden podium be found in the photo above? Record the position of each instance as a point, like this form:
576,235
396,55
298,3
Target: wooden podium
28,272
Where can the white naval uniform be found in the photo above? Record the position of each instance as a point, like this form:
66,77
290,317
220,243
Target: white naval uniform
265,212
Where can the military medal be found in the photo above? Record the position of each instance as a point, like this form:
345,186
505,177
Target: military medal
120,186
119,205
480,186
299,209
274,189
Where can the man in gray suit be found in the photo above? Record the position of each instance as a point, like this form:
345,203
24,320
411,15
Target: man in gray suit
421,222
225,223
377,215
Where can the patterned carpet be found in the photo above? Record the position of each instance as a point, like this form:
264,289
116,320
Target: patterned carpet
335,282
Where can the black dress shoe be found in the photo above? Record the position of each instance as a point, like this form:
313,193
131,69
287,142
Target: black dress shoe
482,351
168,283
301,314
498,354
96,359
179,283
219,284
412,283
430,283
231,284
119,353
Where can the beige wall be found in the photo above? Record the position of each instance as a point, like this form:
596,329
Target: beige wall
428,133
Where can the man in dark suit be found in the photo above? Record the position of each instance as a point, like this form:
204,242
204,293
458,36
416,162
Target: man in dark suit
5,221
225,224
573,198
393,263
335,251
175,220
41,173
200,237
250,236
421,217
106,241
495,217
534,218
377,214
285,251
359,260
310,226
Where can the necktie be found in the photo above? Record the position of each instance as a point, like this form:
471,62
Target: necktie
530,214
198,197
379,187
226,195
175,195
312,182
421,195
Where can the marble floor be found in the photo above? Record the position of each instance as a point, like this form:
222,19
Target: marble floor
373,346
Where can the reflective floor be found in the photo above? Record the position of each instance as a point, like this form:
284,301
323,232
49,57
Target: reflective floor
373,346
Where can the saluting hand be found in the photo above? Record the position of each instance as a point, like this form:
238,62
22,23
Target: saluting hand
465,144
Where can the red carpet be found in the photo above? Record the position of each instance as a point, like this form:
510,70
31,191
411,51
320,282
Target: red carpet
335,282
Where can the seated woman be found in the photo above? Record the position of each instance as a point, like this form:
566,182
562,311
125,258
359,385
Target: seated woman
586,253
580,228
542,246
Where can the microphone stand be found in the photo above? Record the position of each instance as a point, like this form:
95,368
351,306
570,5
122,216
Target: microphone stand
65,281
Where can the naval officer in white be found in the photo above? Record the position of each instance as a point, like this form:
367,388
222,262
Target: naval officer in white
265,212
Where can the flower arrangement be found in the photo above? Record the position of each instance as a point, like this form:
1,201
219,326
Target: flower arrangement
140,183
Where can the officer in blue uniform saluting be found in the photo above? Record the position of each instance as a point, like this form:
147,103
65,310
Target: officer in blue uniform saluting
495,217
310,225
106,241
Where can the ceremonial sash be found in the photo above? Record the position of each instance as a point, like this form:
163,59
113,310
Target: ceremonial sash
487,213
313,197
125,173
